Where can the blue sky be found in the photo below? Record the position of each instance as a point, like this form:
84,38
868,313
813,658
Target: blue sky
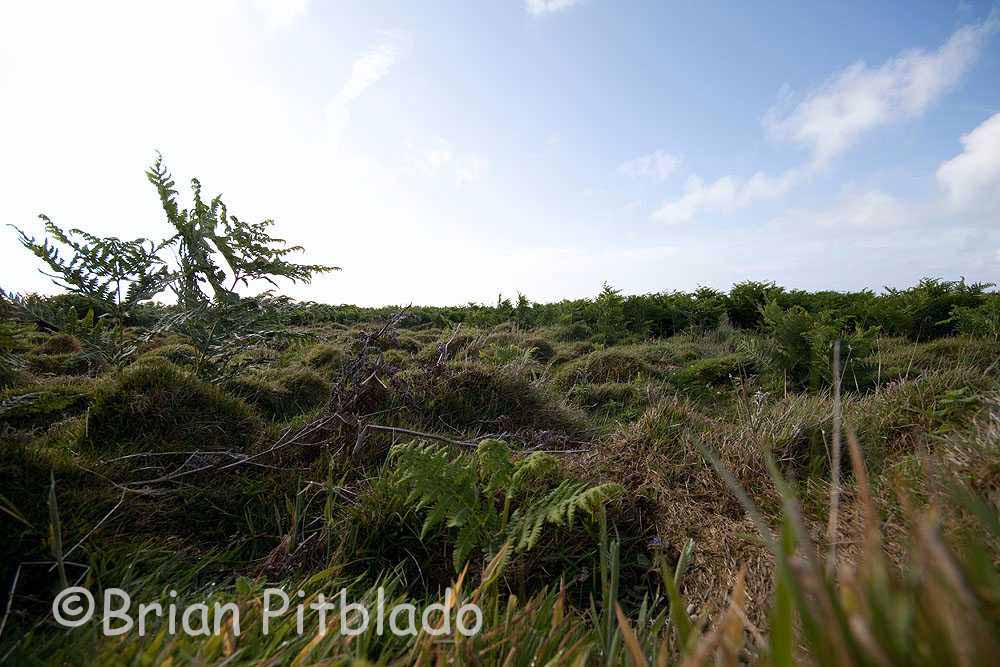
443,152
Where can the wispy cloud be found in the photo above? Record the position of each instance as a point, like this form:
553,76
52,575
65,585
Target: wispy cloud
540,7
280,14
832,118
724,195
971,179
868,209
366,71
658,165
439,156
964,207
860,98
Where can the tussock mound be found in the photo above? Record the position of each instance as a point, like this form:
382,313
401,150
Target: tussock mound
616,364
324,357
282,393
477,397
899,358
39,405
158,406
68,363
59,344
181,354
712,372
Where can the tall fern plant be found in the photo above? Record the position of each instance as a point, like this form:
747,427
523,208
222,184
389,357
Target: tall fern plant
220,249
496,504
117,273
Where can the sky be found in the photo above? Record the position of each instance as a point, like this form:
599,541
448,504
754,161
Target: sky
445,152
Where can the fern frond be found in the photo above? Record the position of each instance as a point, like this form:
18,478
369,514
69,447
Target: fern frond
495,465
559,508
534,467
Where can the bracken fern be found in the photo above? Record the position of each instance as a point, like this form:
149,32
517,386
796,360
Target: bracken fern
476,495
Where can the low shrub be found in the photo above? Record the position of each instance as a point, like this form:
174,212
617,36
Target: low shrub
982,321
803,348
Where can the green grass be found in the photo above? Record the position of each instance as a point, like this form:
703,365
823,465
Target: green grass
715,552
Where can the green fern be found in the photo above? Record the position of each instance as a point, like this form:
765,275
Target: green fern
120,274
206,231
475,495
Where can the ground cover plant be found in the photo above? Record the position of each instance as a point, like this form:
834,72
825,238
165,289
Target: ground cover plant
762,475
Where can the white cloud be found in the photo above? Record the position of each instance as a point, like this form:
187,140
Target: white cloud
280,14
723,195
859,98
366,71
871,210
658,165
540,7
471,168
971,179
833,117
441,157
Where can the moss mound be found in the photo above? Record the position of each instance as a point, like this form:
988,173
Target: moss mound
181,354
282,393
157,406
59,344
705,374
67,363
620,365
41,405
474,396
324,357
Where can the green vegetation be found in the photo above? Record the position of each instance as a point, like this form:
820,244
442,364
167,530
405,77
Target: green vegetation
670,478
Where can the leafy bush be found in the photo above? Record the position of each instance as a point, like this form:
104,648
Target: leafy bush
207,232
747,300
118,274
609,316
929,305
982,321
804,345
574,331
